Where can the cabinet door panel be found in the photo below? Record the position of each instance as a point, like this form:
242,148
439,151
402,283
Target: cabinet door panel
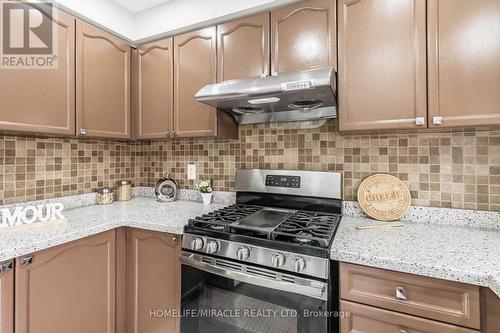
153,280
7,297
103,83
153,89
243,48
382,65
42,100
195,62
69,288
304,36
366,319
464,62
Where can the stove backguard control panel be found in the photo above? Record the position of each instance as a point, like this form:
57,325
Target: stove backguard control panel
283,181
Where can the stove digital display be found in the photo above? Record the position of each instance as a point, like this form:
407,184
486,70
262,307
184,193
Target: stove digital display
283,181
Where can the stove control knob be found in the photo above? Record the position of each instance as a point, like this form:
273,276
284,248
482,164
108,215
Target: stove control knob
197,243
212,247
278,259
298,264
242,253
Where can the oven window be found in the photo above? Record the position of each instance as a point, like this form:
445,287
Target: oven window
215,304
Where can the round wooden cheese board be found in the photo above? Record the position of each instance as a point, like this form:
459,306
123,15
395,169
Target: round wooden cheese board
384,197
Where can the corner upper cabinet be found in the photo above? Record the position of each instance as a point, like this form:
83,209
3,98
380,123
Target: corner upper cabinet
464,62
153,99
303,36
68,288
243,48
7,297
153,279
42,100
102,83
382,64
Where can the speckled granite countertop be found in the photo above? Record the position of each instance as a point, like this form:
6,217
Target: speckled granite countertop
447,252
140,212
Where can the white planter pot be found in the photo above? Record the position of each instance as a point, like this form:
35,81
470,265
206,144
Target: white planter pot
206,197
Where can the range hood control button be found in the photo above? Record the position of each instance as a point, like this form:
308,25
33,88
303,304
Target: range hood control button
278,259
197,244
242,253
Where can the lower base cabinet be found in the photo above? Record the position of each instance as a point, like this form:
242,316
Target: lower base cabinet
7,297
368,319
153,286
68,288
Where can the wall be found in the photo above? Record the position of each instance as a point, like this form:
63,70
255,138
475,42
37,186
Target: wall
41,168
445,169
458,169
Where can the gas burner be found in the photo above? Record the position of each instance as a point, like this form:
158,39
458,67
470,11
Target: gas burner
304,237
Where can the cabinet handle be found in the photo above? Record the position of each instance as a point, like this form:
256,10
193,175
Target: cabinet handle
403,330
401,294
6,267
420,121
174,240
26,261
174,134
437,120
83,131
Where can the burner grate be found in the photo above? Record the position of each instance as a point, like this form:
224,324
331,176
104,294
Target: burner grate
303,227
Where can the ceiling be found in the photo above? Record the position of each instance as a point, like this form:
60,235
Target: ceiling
140,21
136,6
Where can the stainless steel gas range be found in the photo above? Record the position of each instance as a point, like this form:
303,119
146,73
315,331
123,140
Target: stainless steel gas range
262,265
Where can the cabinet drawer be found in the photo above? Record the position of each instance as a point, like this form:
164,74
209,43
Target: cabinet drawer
451,302
367,319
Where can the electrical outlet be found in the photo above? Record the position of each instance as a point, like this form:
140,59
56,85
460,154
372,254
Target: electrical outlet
191,171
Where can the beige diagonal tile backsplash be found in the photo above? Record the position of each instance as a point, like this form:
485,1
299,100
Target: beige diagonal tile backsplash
459,168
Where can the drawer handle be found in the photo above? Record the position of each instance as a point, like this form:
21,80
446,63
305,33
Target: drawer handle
7,267
403,331
401,294
26,261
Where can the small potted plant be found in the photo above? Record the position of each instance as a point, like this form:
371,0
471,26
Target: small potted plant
205,189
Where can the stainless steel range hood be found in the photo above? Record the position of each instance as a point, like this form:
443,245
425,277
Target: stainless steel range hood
299,96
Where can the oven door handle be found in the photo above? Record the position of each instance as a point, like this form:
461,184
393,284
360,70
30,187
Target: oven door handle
301,286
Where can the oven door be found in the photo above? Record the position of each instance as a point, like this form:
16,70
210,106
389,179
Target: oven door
220,295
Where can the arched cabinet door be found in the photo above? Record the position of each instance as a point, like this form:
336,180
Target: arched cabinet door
195,63
303,36
42,100
153,90
243,48
102,83
153,278
382,64
68,288
464,62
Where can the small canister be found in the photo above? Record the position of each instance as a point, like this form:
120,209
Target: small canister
124,190
105,196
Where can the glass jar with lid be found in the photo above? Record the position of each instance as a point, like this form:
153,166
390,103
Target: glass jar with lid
124,190
105,196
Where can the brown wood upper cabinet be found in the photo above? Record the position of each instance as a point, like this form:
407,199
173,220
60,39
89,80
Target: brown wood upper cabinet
42,100
303,36
69,288
153,280
153,90
102,83
7,297
195,64
382,64
243,48
464,62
